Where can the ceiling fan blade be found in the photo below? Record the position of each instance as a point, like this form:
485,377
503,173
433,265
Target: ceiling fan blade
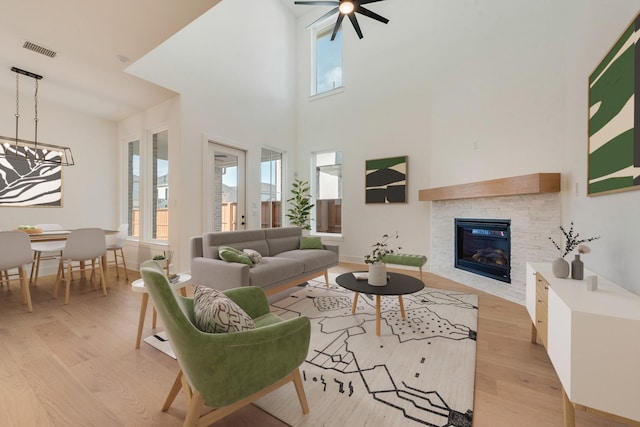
337,27
318,3
372,15
356,26
369,1
326,15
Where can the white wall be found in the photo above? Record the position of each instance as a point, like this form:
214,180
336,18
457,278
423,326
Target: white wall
383,112
234,70
88,190
595,27
471,90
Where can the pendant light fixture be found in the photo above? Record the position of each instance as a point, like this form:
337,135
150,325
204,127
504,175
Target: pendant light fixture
34,151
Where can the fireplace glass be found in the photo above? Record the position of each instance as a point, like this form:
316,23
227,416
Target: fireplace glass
483,246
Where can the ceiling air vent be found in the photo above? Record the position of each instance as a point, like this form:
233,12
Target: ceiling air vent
39,49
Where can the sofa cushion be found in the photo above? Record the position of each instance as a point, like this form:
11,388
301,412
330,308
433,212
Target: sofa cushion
234,255
313,259
310,242
254,239
214,312
273,270
255,256
283,239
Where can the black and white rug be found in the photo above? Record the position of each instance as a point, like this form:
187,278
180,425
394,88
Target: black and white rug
420,371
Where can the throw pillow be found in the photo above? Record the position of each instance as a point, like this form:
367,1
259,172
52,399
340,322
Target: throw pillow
216,313
234,255
254,255
310,242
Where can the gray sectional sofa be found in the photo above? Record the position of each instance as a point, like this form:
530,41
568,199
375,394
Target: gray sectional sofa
283,264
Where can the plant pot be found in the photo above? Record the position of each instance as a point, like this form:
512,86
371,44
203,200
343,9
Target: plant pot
560,268
377,274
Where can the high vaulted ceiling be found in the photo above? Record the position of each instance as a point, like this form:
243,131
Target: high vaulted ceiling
95,41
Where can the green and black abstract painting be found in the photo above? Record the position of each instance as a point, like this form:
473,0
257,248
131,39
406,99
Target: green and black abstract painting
386,180
614,116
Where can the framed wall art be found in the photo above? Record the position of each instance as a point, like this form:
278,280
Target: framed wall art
386,180
614,118
25,181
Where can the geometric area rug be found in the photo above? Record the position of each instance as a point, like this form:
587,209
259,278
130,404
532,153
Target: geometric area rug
419,372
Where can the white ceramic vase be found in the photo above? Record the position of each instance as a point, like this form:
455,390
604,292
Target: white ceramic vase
377,274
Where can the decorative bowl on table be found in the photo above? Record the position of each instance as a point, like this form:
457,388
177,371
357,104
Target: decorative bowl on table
29,229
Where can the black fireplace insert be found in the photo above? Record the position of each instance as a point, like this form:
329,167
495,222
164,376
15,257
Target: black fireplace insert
483,246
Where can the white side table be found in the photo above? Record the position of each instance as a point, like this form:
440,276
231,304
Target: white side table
138,287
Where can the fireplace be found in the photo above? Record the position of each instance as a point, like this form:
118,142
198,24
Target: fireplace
483,246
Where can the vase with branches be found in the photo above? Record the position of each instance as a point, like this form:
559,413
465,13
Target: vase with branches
377,269
560,266
381,249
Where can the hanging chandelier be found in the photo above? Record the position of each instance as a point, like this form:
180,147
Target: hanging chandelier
33,151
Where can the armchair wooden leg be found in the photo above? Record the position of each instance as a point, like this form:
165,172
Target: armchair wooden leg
302,397
193,412
175,389
326,277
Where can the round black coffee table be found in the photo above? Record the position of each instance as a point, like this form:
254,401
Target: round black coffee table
398,284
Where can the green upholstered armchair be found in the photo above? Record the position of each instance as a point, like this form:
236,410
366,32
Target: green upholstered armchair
226,371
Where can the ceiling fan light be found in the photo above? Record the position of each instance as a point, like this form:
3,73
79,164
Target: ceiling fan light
346,7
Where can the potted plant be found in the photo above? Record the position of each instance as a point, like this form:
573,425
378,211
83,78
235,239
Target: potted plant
377,269
300,211
166,255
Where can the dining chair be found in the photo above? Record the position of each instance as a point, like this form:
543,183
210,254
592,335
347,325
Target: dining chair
15,253
43,251
82,245
117,244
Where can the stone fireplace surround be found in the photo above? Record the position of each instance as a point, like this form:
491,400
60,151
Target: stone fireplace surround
534,217
531,202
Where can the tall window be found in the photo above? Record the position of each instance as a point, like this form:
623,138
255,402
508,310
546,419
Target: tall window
328,59
133,188
328,191
160,217
271,189
147,196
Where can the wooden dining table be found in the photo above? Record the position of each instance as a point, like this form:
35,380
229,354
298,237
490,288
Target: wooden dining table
58,235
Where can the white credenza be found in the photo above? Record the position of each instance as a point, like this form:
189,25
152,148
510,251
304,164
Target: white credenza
593,341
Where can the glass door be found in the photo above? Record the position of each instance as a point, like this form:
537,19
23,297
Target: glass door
227,195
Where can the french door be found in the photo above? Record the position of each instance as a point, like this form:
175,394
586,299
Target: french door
226,188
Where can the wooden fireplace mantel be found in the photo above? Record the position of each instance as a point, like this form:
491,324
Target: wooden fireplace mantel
536,183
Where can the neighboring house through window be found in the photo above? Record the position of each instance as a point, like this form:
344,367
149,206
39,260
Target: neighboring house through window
328,192
160,215
147,204
133,188
271,189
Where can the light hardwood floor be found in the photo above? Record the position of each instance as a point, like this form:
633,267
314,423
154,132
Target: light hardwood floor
76,365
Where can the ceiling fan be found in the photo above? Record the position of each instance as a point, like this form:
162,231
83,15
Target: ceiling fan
346,8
